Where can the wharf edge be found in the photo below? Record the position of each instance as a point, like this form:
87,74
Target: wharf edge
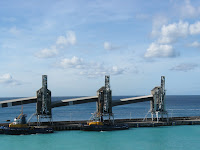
132,123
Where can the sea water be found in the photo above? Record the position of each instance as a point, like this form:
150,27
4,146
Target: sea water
153,138
159,138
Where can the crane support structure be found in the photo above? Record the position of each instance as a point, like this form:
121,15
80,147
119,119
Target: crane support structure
103,99
158,102
104,103
43,108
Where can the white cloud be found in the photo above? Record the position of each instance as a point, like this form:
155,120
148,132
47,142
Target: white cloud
8,80
170,33
69,39
158,22
47,53
101,70
109,46
185,67
195,44
74,62
189,11
159,50
89,69
5,78
116,70
195,28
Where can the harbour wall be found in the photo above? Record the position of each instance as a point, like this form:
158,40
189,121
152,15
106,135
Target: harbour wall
133,123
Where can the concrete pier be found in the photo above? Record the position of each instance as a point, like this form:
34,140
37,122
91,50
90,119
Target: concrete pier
133,123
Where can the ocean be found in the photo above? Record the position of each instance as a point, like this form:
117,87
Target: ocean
159,138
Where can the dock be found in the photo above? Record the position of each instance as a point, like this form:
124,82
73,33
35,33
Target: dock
132,123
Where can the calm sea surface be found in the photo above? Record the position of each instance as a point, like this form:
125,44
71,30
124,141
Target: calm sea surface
160,138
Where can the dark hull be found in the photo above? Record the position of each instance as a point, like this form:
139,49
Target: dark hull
103,127
24,131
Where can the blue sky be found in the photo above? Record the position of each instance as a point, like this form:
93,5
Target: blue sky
77,43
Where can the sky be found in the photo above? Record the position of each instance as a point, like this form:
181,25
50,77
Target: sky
77,43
